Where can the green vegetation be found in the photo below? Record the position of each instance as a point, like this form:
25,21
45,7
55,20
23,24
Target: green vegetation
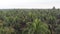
30,21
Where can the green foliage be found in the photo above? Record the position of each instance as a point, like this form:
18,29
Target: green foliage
29,21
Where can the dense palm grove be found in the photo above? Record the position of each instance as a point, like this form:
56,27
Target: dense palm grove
30,21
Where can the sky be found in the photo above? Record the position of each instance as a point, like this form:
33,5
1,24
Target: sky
11,4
